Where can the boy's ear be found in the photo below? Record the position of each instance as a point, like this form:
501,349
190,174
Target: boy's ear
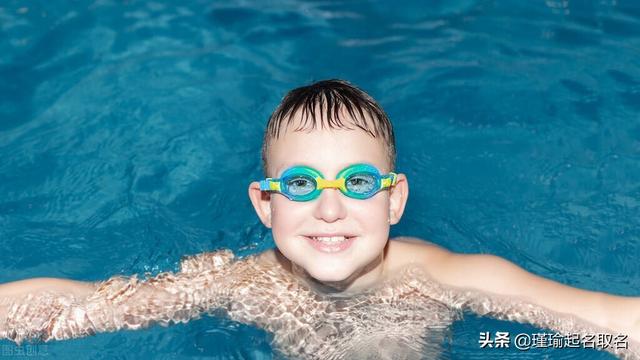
261,201
398,199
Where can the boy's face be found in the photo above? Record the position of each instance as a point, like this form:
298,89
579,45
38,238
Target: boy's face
332,213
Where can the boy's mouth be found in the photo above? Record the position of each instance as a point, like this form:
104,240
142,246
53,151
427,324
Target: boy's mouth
330,244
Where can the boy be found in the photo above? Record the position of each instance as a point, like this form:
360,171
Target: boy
336,286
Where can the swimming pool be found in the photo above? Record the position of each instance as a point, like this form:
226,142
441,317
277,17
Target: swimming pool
130,130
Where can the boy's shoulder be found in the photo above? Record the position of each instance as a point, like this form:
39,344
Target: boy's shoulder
406,250
450,268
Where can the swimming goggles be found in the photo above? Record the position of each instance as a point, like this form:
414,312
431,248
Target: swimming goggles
302,183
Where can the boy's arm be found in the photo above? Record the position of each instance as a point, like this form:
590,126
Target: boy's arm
14,292
619,314
490,285
55,309
21,288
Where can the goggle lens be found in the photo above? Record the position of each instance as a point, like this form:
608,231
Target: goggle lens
300,185
363,183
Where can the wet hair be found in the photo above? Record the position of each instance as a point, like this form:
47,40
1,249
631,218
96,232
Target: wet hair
322,103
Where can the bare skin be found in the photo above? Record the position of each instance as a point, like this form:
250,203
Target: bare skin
404,319
615,313
495,284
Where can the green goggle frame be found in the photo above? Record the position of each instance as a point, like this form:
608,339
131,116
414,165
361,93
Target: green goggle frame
302,183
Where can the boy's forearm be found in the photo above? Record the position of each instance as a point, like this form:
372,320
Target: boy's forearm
36,298
597,313
623,315
618,314
22,288
14,291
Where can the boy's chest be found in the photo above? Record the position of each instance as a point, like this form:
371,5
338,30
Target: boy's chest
396,319
401,328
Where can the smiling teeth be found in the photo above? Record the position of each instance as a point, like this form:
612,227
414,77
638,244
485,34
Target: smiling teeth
329,239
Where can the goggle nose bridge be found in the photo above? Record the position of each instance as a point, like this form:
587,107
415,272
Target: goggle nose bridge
330,184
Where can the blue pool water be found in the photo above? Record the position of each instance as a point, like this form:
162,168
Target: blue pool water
129,132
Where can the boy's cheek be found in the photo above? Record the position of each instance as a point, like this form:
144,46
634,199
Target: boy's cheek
284,216
377,206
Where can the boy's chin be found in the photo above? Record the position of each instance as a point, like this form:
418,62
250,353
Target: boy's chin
330,277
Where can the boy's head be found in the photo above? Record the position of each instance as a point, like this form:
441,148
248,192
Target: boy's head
329,126
330,104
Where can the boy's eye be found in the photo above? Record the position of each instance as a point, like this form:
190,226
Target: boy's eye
361,183
300,185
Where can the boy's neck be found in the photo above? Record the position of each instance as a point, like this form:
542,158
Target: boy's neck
359,282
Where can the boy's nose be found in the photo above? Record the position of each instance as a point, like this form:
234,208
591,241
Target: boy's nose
330,206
